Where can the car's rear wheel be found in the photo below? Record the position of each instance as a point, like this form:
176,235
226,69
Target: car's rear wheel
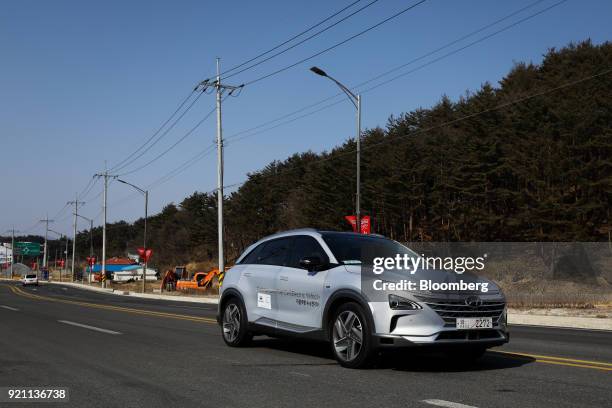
234,324
351,338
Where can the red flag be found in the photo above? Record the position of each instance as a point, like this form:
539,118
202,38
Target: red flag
364,221
145,255
352,220
365,224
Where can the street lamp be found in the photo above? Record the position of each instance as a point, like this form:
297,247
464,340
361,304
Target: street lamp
356,101
90,238
65,259
146,196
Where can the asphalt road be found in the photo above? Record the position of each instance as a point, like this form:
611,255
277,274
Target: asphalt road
147,353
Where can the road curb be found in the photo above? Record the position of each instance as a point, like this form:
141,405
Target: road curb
118,292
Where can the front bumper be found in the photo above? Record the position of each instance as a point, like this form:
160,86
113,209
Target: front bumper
434,325
449,338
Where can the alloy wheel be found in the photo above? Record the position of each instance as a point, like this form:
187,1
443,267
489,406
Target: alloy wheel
348,335
231,322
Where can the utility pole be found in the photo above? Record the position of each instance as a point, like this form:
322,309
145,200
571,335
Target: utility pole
66,259
104,206
220,88
91,252
358,140
45,252
12,230
76,203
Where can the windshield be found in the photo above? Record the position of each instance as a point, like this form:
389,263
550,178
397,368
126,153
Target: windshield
353,249
30,276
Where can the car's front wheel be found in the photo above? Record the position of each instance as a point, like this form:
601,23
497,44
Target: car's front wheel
234,324
351,337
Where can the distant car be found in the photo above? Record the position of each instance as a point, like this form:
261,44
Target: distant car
30,279
307,283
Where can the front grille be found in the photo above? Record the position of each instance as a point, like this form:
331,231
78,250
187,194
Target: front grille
450,309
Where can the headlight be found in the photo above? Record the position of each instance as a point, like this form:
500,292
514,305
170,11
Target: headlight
400,303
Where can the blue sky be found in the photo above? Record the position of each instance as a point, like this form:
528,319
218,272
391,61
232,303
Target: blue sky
84,82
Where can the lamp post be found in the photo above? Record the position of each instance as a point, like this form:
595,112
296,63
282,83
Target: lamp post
356,101
66,252
146,196
90,238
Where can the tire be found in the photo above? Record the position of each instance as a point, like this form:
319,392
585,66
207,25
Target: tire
351,336
234,324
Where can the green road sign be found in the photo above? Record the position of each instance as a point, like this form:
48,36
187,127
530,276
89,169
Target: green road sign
27,248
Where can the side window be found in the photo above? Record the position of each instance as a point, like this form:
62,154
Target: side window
275,252
251,257
306,246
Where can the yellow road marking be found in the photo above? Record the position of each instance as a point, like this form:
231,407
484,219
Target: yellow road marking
20,292
540,357
574,365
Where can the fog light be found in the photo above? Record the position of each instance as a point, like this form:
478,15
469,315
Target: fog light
400,303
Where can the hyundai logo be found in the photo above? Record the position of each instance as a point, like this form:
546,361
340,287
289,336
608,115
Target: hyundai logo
473,301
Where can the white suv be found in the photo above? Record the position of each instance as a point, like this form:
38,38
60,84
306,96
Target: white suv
29,279
308,283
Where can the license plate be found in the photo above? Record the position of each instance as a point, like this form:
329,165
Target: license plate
471,323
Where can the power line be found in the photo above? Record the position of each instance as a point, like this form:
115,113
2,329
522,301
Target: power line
89,190
61,211
298,43
168,176
91,181
171,174
291,39
481,39
183,102
117,168
235,137
185,136
399,13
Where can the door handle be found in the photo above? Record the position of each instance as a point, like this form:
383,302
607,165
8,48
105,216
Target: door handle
284,278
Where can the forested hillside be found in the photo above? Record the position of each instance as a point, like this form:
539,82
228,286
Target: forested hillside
536,170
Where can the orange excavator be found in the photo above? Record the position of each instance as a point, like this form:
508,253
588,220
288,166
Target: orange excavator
200,280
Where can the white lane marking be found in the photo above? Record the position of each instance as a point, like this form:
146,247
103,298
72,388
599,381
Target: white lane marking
64,288
88,327
448,404
9,308
301,374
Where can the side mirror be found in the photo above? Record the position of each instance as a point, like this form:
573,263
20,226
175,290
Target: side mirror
311,263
